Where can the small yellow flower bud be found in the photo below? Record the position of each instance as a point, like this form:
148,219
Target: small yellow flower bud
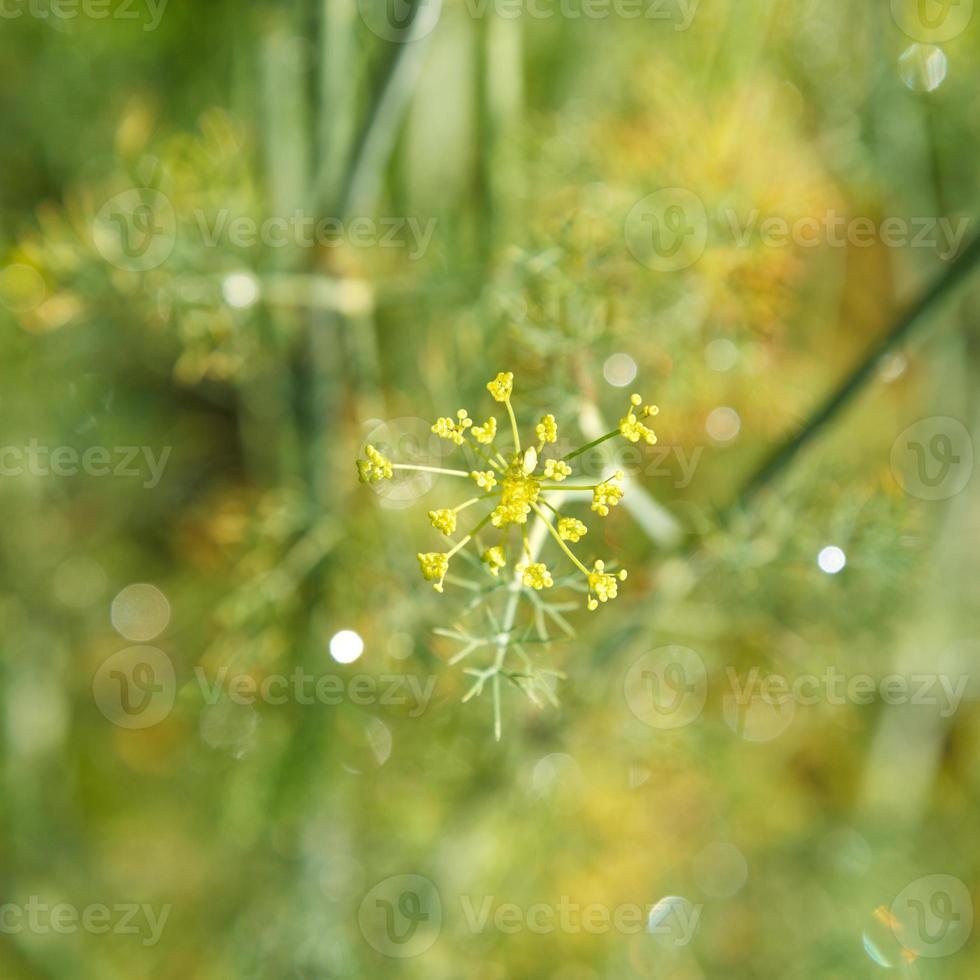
495,559
547,429
602,586
454,431
434,566
487,432
485,480
443,520
375,467
606,495
536,576
501,386
557,470
571,529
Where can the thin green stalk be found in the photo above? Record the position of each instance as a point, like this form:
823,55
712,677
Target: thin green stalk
849,388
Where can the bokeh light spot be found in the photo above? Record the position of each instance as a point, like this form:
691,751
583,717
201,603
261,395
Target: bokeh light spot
723,424
140,612
831,559
619,370
346,646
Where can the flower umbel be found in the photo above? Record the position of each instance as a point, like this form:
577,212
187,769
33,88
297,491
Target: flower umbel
523,494
517,491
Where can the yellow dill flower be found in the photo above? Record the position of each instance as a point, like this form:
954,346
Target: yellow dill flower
375,467
607,495
487,432
443,520
630,426
453,429
571,529
517,493
556,469
501,386
547,430
536,576
434,566
602,585
484,479
495,559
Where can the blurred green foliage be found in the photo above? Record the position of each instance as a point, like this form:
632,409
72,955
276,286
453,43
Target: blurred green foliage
528,141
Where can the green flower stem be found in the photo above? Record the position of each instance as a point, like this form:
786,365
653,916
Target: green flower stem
866,369
527,547
561,544
513,426
471,501
429,469
488,457
469,537
591,445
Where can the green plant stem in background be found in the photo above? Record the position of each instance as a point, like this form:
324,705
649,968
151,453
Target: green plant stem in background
852,385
